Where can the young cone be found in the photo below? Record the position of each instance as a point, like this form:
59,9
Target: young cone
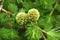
21,18
33,15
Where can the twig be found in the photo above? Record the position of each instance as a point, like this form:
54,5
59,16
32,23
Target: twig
1,7
1,4
43,36
6,11
52,11
53,8
43,31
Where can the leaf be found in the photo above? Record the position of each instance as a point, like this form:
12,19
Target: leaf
45,4
54,32
6,3
8,34
13,8
4,18
28,5
51,38
46,22
57,20
58,7
19,1
33,32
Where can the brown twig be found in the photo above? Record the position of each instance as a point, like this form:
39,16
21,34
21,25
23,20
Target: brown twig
6,11
43,36
52,11
53,8
43,32
1,4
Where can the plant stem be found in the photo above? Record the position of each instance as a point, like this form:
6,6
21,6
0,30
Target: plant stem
1,4
53,8
6,11
52,11
43,36
43,31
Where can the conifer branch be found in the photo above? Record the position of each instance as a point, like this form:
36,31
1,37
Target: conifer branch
9,15
43,31
53,8
1,4
8,12
43,36
52,11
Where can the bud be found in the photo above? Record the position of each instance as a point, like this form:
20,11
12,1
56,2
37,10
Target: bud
21,18
33,14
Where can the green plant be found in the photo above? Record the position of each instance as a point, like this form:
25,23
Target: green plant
7,34
29,20
33,32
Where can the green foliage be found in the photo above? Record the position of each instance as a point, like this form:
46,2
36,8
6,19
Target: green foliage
45,4
13,8
33,32
46,22
51,38
54,33
7,34
57,20
41,22
28,5
7,2
58,7
19,1
3,17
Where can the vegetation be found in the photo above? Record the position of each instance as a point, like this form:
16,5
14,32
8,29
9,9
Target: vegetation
29,19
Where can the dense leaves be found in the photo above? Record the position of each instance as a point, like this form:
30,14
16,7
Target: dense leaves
7,34
44,25
33,32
